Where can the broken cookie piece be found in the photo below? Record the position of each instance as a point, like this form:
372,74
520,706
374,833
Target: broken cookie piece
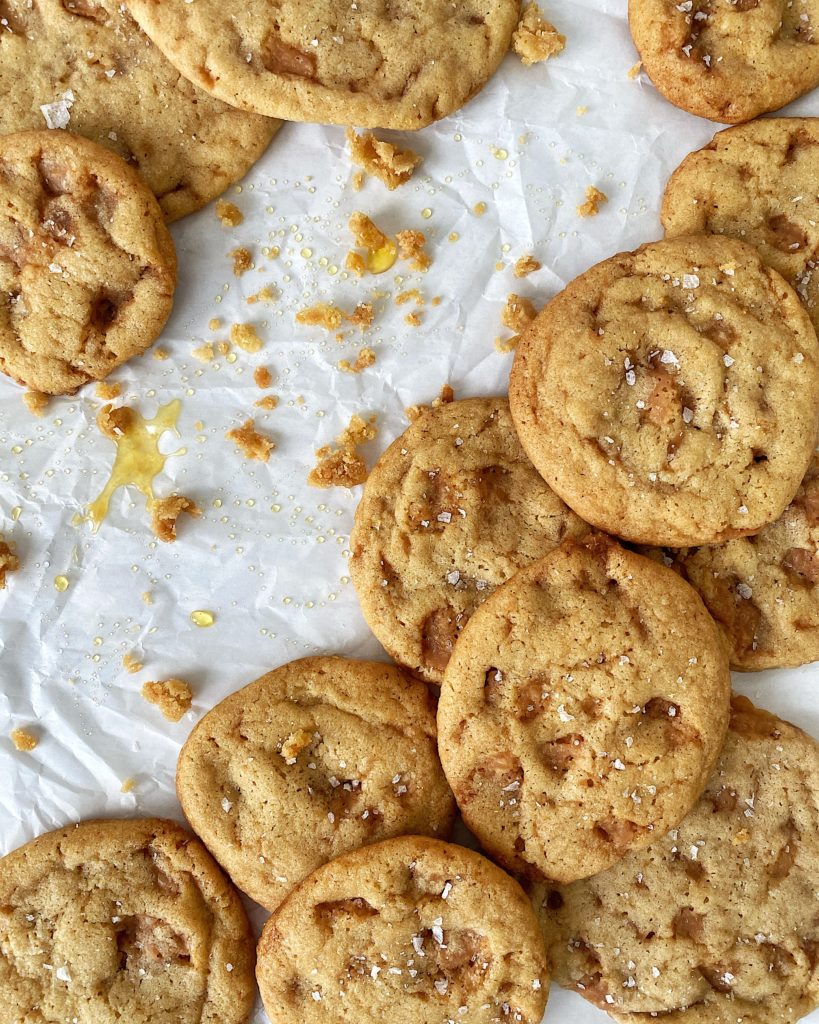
250,442
173,697
166,511
114,422
535,38
229,214
388,163
594,200
344,467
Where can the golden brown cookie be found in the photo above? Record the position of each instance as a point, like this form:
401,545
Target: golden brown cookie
755,182
671,395
316,758
371,64
452,510
729,60
582,710
87,266
121,921
716,922
410,929
763,591
85,65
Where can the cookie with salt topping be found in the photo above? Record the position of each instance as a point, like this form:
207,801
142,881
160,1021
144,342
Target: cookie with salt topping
347,749
671,395
716,922
125,920
452,509
582,710
409,929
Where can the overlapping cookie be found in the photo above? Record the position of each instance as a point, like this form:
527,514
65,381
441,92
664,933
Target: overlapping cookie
452,509
582,710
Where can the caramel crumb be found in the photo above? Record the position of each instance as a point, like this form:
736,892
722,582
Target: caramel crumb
242,260
229,214
365,358
344,467
128,784
366,234
536,39
245,336
518,312
635,70
108,391
23,739
166,511
411,247
413,295
223,347
266,294
526,265
446,395
594,199
507,344
356,263
9,562
362,316
413,319
214,323
358,181
114,422
204,353
581,111
147,597
131,663
321,315
262,377
172,696
381,159
36,402
295,743
269,402
250,442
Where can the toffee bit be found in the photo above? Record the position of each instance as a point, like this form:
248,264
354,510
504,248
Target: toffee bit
526,265
265,294
160,354
250,442
229,214
362,316
413,319
322,315
364,359
262,377
382,160
411,247
446,395
344,467
173,697
594,200
115,422
242,260
166,511
108,391
268,403
535,39
23,740
366,234
356,263
131,663
245,336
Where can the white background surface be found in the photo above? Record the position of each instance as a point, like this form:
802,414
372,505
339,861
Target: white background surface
270,560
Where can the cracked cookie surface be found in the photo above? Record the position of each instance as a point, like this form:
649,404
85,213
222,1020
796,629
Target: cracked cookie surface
345,749
582,710
411,929
728,60
670,396
755,182
373,64
716,922
87,266
90,66
121,920
452,509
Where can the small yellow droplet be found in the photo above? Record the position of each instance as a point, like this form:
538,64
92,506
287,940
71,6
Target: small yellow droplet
275,508
454,236
499,154
16,512
479,209
98,641
306,253
230,357
506,247
16,450
332,270
61,583
426,213
202,618
380,260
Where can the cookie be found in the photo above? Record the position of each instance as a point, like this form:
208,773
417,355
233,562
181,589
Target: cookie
763,591
85,65
582,710
369,64
452,510
121,920
671,395
87,266
716,922
756,182
314,759
409,930
729,60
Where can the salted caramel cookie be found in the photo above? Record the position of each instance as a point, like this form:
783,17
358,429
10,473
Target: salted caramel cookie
85,65
729,60
715,922
763,590
370,64
452,510
755,182
671,395
410,929
582,710
87,266
345,749
121,920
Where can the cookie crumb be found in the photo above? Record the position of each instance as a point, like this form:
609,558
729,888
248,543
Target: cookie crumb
114,422
594,199
506,345
173,697
229,214
214,323
160,354
581,111
131,663
245,336
382,160
413,319
128,784
518,312
36,402
535,38
266,294
295,743
358,181
367,235
262,377
344,467
250,442
242,260
321,315
526,265
23,739
204,353
356,263
166,511
108,391
269,402
411,247
445,396
362,316
365,358
412,295
635,69
9,562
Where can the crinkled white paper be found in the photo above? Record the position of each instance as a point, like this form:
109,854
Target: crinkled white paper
268,558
